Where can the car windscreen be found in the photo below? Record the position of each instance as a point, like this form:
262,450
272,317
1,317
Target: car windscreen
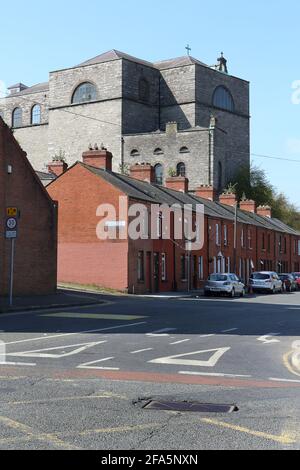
260,276
284,277
217,278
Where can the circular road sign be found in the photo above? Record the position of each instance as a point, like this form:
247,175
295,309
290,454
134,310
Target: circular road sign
11,223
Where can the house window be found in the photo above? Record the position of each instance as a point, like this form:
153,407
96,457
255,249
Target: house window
36,114
222,98
225,235
184,150
163,267
217,234
200,268
17,118
158,151
159,174
180,170
242,238
84,93
250,238
140,267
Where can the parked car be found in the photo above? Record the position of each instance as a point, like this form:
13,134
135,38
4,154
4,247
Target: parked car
266,281
289,282
297,279
227,284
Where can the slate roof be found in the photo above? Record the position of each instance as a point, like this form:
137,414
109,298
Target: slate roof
155,194
177,62
113,55
33,89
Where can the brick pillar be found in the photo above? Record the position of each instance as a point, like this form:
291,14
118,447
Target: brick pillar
143,172
98,159
57,168
264,211
178,183
228,199
248,205
206,192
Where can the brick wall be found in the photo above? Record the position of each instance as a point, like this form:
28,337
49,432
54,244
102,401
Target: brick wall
36,245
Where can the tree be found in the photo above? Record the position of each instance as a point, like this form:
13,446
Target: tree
254,184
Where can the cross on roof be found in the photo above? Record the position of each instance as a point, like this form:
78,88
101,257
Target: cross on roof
188,48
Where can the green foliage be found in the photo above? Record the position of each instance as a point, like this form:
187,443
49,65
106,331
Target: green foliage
254,184
172,172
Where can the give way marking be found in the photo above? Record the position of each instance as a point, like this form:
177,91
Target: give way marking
178,360
45,353
269,338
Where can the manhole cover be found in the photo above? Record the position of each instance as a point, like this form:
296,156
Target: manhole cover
192,407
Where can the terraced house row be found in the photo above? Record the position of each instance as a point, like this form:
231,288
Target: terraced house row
159,265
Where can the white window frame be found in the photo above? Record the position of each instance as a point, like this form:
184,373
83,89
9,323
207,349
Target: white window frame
163,267
200,268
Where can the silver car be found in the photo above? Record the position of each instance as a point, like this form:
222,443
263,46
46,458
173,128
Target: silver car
227,284
267,281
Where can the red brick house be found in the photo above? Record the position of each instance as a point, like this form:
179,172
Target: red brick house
152,265
35,268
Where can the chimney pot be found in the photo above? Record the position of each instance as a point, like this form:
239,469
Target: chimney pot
206,192
98,159
178,183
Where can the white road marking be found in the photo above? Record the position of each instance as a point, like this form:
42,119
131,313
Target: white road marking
213,375
161,333
90,365
141,350
76,333
180,342
269,338
229,331
285,380
40,352
207,336
177,360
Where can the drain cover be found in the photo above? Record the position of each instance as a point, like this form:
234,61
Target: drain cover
192,407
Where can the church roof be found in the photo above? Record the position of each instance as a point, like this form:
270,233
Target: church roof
177,62
114,55
165,64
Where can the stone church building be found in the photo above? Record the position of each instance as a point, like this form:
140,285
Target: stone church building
180,115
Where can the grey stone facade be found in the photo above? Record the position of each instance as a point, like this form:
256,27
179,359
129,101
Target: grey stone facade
135,102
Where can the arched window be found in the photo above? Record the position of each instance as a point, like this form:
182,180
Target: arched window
184,150
134,153
222,98
158,151
17,117
159,174
84,93
144,90
36,114
180,170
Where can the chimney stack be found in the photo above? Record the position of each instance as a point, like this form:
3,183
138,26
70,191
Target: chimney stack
143,172
57,167
206,192
98,158
228,199
178,183
248,205
264,211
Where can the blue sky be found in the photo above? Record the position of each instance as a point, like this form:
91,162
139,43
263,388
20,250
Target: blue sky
259,39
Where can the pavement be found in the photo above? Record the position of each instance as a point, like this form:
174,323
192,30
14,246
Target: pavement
78,377
62,298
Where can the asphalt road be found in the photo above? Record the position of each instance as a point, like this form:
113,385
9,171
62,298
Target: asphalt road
78,378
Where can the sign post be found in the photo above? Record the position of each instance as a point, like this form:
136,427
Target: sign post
11,234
